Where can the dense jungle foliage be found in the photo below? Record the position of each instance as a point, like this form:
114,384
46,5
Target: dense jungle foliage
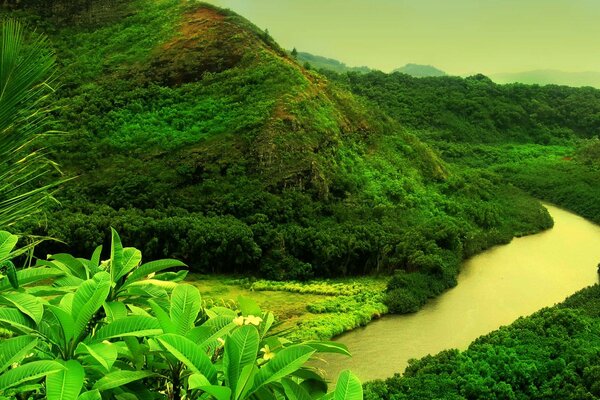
212,145
536,137
552,354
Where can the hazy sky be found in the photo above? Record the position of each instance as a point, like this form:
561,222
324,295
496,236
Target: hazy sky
458,36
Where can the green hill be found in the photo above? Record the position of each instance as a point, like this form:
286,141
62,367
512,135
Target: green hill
207,142
420,71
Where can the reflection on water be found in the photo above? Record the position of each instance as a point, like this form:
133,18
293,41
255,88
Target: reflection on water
494,288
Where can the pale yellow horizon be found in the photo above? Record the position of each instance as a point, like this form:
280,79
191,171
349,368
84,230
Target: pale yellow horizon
460,37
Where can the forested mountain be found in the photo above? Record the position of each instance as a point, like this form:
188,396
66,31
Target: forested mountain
477,110
196,136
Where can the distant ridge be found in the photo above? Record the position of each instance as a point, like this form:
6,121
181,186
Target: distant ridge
420,71
550,77
320,62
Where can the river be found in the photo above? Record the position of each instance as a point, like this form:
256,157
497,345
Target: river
494,288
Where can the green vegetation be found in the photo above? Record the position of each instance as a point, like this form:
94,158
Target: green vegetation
88,329
316,309
476,110
552,354
213,146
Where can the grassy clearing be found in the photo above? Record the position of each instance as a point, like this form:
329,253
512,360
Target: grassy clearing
318,309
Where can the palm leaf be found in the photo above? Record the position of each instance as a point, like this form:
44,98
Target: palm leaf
26,69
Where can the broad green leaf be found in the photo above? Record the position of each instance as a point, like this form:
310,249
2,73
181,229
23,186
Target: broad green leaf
66,303
328,347
312,382
219,392
136,325
285,363
249,307
116,255
66,322
241,349
178,276
65,384
91,395
268,319
8,241
47,291
73,265
151,267
16,319
26,303
136,351
293,391
119,378
87,301
245,381
190,354
28,372
185,306
94,263
197,380
69,281
114,310
32,275
348,387
135,310
104,353
219,328
131,259
163,318
14,349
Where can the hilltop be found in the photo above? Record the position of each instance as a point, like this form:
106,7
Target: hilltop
420,71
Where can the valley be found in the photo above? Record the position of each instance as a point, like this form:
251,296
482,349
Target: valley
401,216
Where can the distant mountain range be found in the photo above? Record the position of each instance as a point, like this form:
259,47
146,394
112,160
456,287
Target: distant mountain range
420,71
547,77
319,62
539,77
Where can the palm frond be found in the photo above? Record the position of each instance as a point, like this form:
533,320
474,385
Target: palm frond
27,66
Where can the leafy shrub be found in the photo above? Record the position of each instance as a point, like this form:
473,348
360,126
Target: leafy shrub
87,329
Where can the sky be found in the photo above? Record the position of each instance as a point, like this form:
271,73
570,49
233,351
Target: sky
460,37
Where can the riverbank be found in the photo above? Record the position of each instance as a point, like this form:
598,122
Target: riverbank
495,288
316,309
552,354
